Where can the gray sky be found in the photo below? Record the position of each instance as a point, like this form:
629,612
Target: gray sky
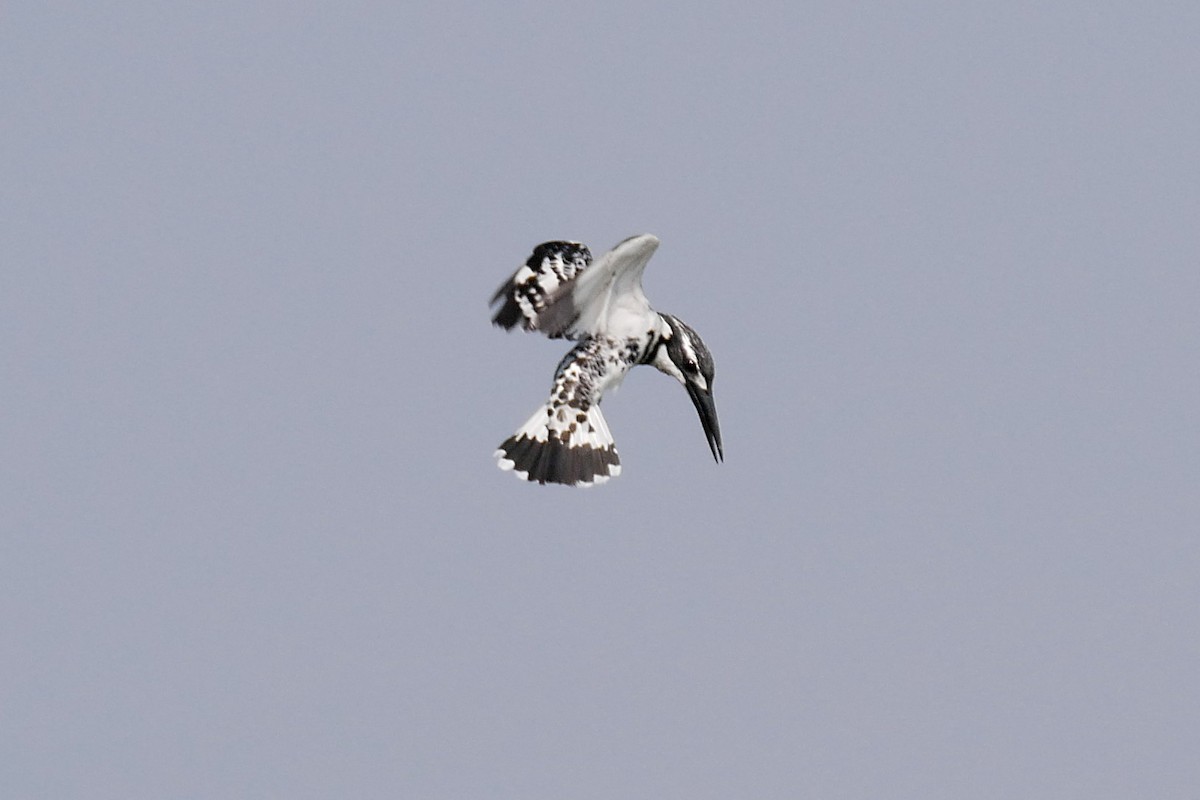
254,545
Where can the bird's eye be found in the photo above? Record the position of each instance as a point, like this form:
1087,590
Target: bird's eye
690,365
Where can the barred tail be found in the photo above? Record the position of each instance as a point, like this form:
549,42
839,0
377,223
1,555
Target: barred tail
563,445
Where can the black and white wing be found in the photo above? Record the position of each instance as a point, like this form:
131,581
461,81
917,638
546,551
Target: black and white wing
562,293
553,266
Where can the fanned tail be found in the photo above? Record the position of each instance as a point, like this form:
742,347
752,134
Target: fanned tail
563,445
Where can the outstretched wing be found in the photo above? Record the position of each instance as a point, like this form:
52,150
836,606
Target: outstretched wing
553,266
561,293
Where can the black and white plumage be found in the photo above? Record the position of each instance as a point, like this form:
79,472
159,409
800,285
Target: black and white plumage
562,293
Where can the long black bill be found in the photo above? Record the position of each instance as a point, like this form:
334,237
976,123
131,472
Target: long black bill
707,409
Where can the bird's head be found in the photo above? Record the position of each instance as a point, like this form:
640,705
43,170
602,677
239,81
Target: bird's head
682,355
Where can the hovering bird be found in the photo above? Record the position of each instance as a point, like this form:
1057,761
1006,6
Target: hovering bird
562,293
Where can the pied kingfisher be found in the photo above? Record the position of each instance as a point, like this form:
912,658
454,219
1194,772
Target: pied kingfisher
562,294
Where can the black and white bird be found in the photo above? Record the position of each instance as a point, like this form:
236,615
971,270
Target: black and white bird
562,293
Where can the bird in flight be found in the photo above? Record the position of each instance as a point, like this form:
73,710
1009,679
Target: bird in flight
562,293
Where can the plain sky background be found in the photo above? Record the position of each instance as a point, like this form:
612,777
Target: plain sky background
254,545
